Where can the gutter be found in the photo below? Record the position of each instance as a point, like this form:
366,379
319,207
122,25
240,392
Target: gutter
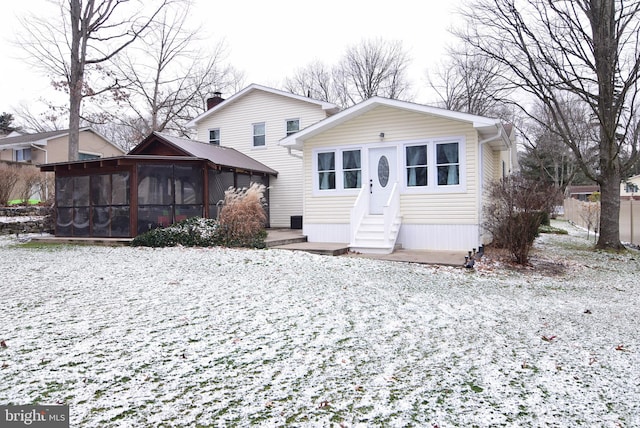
481,145
293,155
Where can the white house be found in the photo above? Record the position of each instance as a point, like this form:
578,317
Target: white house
253,121
386,172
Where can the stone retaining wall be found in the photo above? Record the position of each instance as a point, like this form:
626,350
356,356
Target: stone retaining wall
35,221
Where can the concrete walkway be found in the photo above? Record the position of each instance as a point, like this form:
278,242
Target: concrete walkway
291,239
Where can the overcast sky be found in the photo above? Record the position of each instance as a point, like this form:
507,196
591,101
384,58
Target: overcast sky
268,40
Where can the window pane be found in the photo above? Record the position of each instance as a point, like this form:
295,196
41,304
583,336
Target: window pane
214,136
101,189
293,126
447,153
417,176
327,180
352,179
258,134
416,155
326,161
448,175
351,159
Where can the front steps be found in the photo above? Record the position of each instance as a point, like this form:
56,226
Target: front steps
370,237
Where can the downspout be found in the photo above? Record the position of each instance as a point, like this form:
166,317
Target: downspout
46,160
292,155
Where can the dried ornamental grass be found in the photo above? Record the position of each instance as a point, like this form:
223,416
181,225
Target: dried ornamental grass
243,216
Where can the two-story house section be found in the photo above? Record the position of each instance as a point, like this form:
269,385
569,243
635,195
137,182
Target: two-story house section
253,121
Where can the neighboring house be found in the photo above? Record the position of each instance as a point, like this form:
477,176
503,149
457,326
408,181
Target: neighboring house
386,172
630,188
161,181
53,146
253,121
582,192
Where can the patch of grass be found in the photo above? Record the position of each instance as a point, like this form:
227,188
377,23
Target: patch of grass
551,229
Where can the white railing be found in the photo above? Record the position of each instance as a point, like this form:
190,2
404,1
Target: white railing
391,210
358,211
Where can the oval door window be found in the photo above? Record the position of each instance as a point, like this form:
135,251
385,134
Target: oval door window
383,171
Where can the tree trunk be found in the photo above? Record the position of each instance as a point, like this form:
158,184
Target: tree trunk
76,77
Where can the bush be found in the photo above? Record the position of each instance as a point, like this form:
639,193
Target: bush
243,217
241,224
9,176
192,232
516,210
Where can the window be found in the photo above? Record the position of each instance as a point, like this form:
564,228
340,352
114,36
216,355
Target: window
351,169
416,162
327,171
23,155
448,164
87,156
293,126
434,165
258,134
339,169
214,136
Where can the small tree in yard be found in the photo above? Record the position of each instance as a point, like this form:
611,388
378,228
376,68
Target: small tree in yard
515,211
243,217
9,176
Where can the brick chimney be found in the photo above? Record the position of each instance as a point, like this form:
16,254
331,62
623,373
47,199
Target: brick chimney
215,100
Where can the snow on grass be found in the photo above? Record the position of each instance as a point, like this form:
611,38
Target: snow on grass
219,337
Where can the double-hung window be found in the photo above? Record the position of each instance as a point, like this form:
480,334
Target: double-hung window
433,165
417,168
339,169
327,171
448,164
259,135
214,136
293,126
351,169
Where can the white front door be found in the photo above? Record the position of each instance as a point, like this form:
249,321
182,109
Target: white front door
382,176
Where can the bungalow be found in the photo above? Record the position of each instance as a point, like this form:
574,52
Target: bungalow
387,173
162,180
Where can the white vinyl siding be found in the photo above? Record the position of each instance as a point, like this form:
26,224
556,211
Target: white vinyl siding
401,128
234,121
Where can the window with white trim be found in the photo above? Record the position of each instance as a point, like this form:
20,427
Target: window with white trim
23,155
259,135
327,170
293,126
339,169
214,136
434,165
448,164
351,169
416,165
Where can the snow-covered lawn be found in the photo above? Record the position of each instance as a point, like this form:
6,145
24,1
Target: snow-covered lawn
219,337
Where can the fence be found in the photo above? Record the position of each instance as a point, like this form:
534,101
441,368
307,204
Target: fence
587,215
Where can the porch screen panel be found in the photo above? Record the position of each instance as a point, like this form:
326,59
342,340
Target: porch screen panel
219,182
188,191
72,206
155,196
110,205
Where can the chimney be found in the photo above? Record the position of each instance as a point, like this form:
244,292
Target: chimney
215,100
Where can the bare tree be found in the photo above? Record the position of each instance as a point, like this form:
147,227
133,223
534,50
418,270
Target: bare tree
314,81
74,48
470,83
586,48
166,75
51,119
371,68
